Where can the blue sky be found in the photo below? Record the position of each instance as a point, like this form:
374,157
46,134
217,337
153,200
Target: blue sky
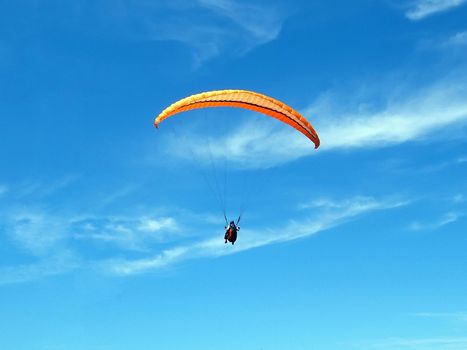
110,231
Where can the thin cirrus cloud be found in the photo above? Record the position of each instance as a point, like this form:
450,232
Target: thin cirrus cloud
421,9
432,110
446,219
125,233
458,39
56,264
456,43
215,26
208,28
333,214
49,239
36,188
262,28
41,233
40,230
429,111
34,231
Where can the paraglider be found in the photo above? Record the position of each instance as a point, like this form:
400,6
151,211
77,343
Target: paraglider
231,232
245,99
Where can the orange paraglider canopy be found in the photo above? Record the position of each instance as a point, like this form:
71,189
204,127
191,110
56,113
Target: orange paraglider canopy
243,99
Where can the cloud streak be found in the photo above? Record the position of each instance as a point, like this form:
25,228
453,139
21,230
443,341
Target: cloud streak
35,188
41,232
425,115
128,233
421,9
52,266
34,231
446,219
458,39
54,240
262,28
414,119
216,26
51,240
207,28
333,214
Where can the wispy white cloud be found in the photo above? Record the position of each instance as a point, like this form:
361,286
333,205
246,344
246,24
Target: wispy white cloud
458,39
451,46
54,265
117,194
335,213
38,188
225,25
156,225
356,204
50,239
53,238
34,231
415,116
420,9
262,28
209,28
446,219
41,232
427,114
128,233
